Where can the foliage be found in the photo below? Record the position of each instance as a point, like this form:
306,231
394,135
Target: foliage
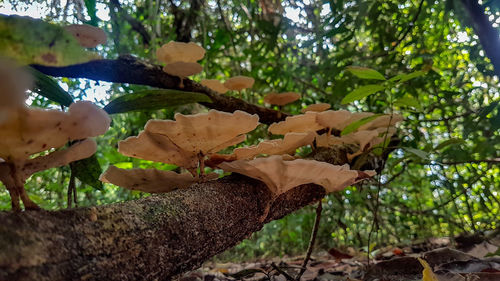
441,179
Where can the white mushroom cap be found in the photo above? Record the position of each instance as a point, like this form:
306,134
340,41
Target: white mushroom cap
180,52
298,124
87,35
318,107
147,180
239,83
281,99
280,175
205,133
183,69
214,85
28,131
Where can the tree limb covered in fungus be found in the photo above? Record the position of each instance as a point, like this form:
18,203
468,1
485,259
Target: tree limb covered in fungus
148,239
128,69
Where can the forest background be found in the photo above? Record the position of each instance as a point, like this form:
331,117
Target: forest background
440,180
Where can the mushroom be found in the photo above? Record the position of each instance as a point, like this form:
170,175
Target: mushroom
180,52
205,133
147,180
318,107
159,148
239,83
281,99
186,141
29,131
87,35
182,69
181,59
287,145
334,120
26,132
298,124
13,84
215,85
280,176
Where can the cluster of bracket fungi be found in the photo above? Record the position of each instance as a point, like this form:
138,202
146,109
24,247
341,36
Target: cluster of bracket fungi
191,141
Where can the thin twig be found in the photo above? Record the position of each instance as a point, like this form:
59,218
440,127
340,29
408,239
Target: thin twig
280,271
71,189
314,233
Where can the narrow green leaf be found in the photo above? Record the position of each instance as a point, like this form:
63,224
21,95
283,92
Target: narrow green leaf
448,142
486,110
355,125
88,171
412,75
91,11
48,87
153,99
362,92
420,153
365,73
33,41
407,101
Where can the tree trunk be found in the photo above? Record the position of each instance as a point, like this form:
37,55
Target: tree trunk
153,238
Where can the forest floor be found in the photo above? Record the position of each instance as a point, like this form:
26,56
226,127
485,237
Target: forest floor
467,258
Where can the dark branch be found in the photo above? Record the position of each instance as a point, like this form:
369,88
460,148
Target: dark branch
127,69
134,23
488,35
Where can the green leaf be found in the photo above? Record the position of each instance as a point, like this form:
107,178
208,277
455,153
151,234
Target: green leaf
486,110
33,41
48,87
448,142
355,125
153,99
412,75
88,171
407,101
365,73
362,92
420,153
91,11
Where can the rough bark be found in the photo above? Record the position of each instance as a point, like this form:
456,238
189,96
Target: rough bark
148,239
127,69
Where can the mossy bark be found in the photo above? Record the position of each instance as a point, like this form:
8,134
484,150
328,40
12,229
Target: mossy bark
148,239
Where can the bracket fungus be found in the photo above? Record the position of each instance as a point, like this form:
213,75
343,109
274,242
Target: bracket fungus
25,132
317,107
238,83
188,140
301,123
281,175
88,36
181,58
214,85
148,180
281,99
366,136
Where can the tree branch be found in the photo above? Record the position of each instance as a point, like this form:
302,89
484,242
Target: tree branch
488,35
128,69
151,238
134,23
